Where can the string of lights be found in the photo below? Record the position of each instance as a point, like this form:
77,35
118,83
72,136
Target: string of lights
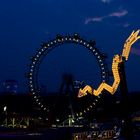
42,53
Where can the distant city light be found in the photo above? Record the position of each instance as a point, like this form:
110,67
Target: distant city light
5,108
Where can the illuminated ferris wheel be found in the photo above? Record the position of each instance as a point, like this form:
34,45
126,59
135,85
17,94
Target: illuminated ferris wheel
47,48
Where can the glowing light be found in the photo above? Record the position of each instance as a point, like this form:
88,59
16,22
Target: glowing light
5,108
99,96
129,42
115,69
37,60
74,39
72,121
57,120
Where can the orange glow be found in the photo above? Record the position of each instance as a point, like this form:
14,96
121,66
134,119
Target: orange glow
115,69
111,89
129,42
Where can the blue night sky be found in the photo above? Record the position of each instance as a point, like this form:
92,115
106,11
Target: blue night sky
25,24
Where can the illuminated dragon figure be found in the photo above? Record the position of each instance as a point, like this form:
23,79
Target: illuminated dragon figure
117,59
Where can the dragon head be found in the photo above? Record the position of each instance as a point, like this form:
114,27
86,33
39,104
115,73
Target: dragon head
81,93
85,90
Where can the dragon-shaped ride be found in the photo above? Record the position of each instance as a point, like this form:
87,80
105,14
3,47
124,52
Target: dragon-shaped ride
117,59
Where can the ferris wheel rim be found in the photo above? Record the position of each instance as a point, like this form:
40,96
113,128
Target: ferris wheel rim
50,45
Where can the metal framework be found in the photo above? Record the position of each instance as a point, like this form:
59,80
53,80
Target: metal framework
48,47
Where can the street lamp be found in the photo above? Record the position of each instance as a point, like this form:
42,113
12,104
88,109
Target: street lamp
5,108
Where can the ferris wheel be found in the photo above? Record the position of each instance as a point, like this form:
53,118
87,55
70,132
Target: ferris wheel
48,47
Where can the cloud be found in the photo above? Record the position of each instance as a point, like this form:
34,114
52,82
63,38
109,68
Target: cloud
96,19
117,14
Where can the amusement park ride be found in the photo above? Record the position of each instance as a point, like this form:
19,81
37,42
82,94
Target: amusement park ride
46,48
76,39
117,70
117,60
119,79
